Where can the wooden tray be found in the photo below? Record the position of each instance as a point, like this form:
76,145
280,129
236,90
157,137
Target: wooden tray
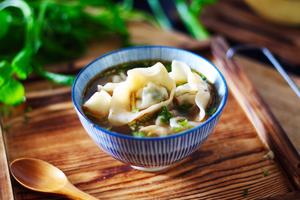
235,20
236,161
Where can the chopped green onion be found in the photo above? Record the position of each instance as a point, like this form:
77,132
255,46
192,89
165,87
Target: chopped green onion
183,122
183,125
135,110
138,134
266,172
191,21
211,111
165,114
177,129
245,192
159,14
203,77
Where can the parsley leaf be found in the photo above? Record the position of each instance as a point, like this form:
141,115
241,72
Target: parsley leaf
135,110
12,92
183,122
245,192
183,125
211,111
266,172
165,114
5,20
21,63
138,134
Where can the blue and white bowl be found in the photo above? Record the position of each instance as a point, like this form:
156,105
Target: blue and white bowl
149,154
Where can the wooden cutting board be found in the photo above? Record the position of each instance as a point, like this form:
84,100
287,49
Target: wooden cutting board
232,164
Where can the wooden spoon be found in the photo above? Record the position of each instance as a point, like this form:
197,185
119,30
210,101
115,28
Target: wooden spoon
41,176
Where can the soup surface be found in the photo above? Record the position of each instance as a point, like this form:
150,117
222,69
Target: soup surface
149,98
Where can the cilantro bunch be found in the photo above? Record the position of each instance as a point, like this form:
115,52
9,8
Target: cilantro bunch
37,32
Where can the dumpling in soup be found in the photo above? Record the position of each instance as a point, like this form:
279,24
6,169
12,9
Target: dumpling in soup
149,95
145,91
98,104
148,101
191,89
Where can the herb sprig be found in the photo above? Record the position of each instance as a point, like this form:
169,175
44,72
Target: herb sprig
35,33
165,115
50,31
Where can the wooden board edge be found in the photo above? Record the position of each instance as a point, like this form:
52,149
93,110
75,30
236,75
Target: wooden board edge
267,127
5,182
288,196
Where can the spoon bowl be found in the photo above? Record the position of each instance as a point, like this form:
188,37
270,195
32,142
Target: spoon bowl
41,176
37,178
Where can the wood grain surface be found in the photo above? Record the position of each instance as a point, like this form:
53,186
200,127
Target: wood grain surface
5,183
235,20
266,125
231,164
283,102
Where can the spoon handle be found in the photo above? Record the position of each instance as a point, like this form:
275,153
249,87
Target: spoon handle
74,193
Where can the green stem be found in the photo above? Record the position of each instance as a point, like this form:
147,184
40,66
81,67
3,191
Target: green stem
191,21
159,14
61,79
128,4
36,43
27,13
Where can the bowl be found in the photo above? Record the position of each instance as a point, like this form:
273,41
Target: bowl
155,153
285,12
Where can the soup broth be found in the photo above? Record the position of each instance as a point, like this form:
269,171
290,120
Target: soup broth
186,113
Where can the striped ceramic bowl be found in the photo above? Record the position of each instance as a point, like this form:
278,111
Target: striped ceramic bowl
150,154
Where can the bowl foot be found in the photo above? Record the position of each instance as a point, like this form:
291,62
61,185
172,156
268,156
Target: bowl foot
150,169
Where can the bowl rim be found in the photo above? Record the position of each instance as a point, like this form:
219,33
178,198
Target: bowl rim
116,134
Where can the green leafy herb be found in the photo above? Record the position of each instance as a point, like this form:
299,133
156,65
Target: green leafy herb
12,92
181,83
165,115
138,134
211,110
191,21
39,32
177,129
203,77
183,122
265,172
49,30
183,125
159,14
134,126
135,110
196,6
54,77
21,63
128,4
168,67
5,20
200,74
245,192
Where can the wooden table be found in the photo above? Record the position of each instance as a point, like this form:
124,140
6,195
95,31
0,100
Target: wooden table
247,140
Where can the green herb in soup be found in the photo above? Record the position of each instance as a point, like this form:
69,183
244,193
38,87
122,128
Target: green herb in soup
149,98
